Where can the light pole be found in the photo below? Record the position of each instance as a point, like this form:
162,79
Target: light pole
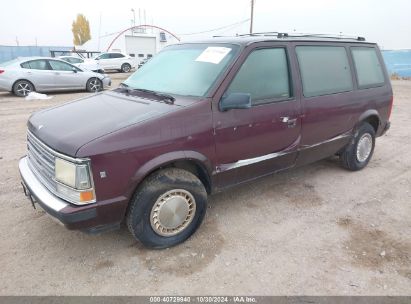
134,20
252,16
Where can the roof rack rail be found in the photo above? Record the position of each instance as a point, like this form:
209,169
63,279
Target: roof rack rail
301,35
357,38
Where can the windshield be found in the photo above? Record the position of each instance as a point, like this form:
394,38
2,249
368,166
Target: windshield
187,69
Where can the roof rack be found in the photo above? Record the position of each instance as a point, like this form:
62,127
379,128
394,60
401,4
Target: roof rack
300,35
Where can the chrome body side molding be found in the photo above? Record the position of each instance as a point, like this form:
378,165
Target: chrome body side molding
250,161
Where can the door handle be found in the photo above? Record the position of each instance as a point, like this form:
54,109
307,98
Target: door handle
291,122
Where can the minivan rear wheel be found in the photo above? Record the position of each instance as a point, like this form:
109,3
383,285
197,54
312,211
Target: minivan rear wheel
359,152
167,208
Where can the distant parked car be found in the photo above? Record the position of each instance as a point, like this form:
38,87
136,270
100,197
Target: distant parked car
24,75
115,61
83,64
142,62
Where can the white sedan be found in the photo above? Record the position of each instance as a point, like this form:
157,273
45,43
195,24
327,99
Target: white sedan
85,64
41,74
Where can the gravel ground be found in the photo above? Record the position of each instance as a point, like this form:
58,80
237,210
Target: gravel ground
316,230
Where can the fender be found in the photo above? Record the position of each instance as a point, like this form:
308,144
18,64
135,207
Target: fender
165,159
369,113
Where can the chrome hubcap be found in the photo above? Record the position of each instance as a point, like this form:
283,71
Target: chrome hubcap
126,68
95,85
23,88
364,147
172,212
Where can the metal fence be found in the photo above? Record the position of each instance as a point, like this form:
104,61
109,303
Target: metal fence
11,52
398,62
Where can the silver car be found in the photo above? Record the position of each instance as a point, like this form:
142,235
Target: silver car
41,74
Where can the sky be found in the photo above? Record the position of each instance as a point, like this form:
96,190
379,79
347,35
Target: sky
48,22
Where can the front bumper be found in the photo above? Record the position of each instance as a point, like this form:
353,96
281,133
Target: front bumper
106,81
70,216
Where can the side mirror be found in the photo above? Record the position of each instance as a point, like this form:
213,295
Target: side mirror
235,101
74,70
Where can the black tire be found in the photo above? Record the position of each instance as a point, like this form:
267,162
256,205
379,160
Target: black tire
140,217
125,68
94,85
22,88
349,158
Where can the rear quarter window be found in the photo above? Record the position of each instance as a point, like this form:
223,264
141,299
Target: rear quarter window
324,70
368,67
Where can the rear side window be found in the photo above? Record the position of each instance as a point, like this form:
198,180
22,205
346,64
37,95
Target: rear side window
73,60
36,65
264,75
324,70
368,67
104,56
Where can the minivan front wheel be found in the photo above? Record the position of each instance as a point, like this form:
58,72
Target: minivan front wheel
167,208
359,152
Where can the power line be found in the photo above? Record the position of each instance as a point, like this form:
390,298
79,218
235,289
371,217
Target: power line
216,29
195,33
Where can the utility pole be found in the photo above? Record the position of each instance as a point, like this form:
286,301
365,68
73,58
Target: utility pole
133,21
252,16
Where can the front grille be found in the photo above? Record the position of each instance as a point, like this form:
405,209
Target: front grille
42,161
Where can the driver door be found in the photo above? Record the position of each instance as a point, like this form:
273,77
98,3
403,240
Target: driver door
264,138
66,76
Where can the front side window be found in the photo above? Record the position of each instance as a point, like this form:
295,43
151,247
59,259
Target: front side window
367,66
185,69
60,66
264,75
324,70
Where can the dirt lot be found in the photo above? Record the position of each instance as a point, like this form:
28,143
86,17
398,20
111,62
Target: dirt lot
315,230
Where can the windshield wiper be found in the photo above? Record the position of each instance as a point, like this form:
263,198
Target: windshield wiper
165,97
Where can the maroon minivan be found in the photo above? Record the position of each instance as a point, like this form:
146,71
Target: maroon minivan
198,118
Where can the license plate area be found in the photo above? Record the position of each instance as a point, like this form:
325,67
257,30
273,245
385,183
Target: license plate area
29,195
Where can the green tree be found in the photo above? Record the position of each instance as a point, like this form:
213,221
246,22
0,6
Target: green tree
81,30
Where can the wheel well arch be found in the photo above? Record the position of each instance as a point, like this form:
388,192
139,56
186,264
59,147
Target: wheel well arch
14,83
374,121
372,117
191,165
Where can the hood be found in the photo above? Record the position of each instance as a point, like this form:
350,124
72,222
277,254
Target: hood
68,127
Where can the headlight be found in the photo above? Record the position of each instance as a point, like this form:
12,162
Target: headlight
74,181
